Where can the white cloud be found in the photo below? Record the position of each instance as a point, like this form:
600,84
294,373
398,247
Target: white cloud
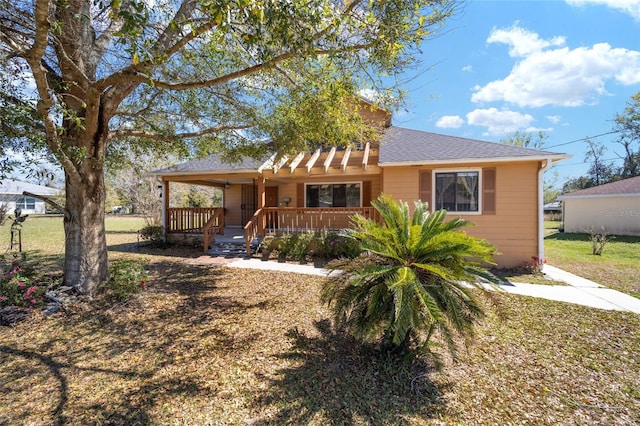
522,42
555,119
500,123
558,75
450,122
467,68
631,7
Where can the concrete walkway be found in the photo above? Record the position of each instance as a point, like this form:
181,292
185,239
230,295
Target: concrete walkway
579,291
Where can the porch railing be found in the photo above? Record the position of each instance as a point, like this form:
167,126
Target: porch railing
189,220
214,226
252,229
283,220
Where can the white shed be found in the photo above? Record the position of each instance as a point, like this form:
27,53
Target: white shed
11,196
614,206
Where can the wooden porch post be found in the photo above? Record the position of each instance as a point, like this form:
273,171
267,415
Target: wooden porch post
165,206
261,202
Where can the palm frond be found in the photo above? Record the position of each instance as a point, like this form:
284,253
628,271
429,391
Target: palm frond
410,281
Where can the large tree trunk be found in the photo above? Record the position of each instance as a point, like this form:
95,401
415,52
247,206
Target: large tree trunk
85,264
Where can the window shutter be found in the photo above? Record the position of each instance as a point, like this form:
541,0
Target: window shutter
489,191
425,187
366,193
300,195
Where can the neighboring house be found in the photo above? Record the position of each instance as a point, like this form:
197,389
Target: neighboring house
613,206
553,208
498,187
11,196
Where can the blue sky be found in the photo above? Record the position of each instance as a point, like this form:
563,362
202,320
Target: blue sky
563,67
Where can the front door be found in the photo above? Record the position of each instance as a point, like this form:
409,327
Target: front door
271,196
249,202
271,200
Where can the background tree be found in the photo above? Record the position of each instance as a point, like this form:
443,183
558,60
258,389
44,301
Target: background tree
21,143
526,139
536,141
601,171
114,75
628,124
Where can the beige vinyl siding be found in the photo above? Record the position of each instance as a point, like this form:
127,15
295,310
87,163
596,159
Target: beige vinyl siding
513,227
618,215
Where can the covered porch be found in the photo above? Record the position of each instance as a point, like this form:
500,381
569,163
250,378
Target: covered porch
310,192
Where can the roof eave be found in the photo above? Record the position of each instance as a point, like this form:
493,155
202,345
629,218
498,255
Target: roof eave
203,172
553,157
569,196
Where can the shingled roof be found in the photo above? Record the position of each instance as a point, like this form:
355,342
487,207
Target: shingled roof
624,187
212,163
16,187
400,146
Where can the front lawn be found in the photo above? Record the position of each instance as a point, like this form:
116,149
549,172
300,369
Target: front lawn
618,267
225,346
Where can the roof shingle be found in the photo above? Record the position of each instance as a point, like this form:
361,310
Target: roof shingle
622,187
16,187
400,145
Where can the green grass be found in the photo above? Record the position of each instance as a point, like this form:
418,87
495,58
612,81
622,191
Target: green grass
205,345
43,237
618,267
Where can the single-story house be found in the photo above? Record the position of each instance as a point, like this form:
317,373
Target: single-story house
496,186
613,206
554,207
12,197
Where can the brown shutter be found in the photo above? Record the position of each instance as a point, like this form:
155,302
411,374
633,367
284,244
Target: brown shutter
489,191
300,195
425,187
366,193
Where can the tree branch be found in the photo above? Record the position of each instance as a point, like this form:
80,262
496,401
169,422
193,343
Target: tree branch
47,200
186,135
35,58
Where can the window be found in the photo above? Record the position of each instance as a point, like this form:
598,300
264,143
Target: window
457,191
333,195
26,203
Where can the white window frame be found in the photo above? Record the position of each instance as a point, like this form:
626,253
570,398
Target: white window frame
478,170
332,183
22,203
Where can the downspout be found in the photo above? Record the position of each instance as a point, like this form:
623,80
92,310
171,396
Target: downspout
543,168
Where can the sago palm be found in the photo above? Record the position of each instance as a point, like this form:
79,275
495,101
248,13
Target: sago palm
415,277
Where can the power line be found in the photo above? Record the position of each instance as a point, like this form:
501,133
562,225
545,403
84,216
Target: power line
585,163
582,139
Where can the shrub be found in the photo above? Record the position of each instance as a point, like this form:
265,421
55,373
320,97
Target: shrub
321,245
410,280
153,234
598,241
301,245
338,245
534,266
18,285
126,278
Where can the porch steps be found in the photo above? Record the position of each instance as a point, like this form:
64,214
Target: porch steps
232,249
